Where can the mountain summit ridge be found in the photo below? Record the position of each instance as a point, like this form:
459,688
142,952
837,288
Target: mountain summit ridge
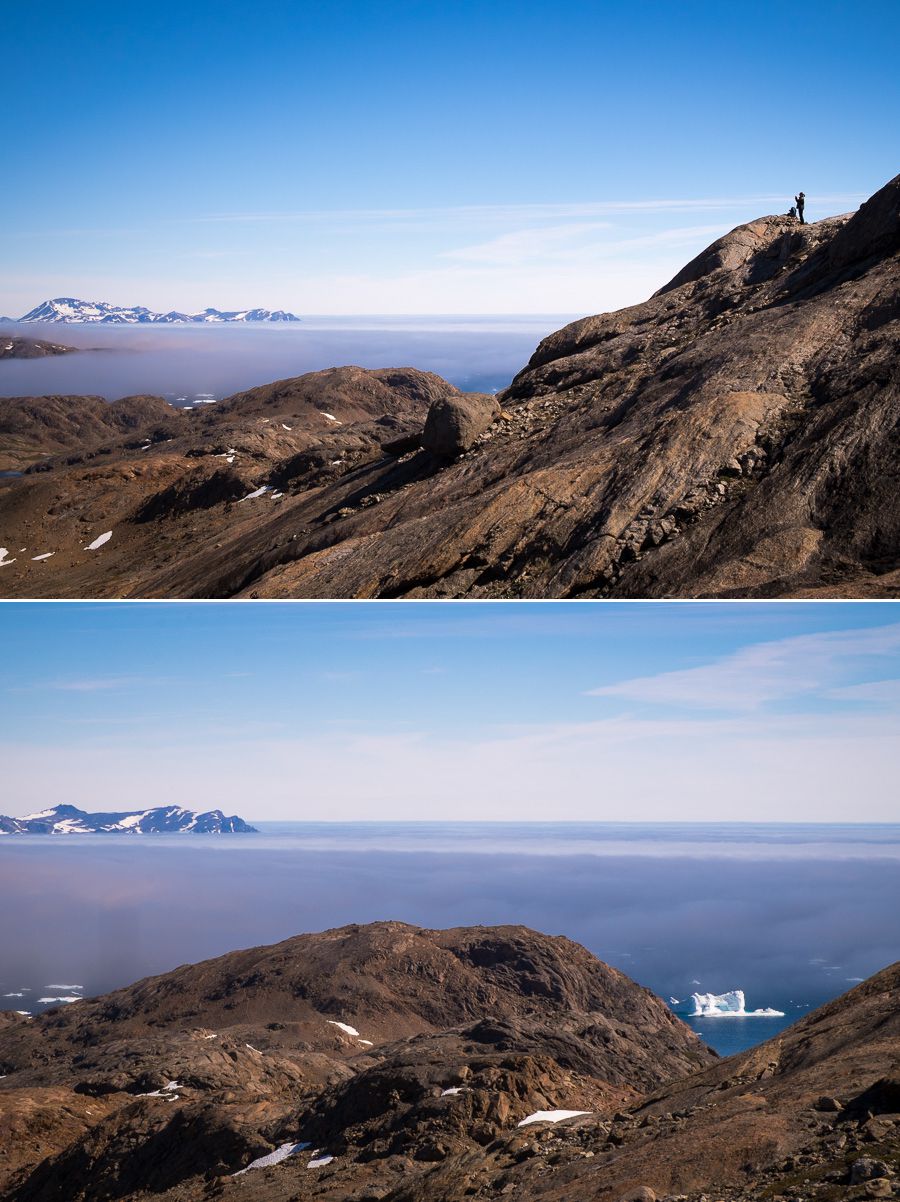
69,820
68,310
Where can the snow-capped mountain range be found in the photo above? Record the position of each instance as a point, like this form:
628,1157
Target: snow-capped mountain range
69,820
69,311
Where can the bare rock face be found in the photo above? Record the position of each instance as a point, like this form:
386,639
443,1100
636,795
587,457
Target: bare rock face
389,1062
736,435
370,1041
454,423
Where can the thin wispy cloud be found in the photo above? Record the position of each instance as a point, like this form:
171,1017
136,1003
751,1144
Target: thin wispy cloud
89,684
519,212
766,673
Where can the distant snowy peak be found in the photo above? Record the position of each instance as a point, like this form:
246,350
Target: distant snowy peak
69,820
69,311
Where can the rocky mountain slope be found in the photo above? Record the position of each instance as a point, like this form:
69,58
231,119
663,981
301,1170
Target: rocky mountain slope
33,429
392,1046
69,820
388,1062
70,311
30,348
735,435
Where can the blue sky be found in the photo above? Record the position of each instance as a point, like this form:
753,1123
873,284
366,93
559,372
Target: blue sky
657,711
423,156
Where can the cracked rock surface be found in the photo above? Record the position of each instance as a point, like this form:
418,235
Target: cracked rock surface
736,435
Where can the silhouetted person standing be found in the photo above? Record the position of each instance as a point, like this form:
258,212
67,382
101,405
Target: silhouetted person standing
800,201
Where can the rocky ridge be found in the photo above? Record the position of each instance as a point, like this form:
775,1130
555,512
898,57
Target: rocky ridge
12,347
734,435
68,310
390,1046
69,820
388,1062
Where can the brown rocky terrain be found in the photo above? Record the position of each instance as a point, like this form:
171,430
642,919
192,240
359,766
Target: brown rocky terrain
397,1063
13,347
735,435
348,1039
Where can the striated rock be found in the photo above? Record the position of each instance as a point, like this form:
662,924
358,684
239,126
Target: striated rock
735,435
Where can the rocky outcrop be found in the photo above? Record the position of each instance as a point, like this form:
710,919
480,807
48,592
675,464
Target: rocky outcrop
385,1042
34,429
736,435
345,1062
30,348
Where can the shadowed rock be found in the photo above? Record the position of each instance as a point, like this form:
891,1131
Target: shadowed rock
454,424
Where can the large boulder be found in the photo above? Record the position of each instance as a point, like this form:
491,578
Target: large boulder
454,423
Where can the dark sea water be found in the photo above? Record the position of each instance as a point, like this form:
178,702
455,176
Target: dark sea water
790,914
477,354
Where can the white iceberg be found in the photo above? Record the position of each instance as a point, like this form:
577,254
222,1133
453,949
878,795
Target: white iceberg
728,1005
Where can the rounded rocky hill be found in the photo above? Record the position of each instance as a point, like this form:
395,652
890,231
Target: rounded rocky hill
381,1040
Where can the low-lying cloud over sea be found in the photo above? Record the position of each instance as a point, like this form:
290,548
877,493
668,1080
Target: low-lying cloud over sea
181,363
792,916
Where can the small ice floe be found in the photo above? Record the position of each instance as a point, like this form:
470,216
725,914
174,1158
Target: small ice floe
65,999
345,1027
551,1116
276,1157
99,541
454,1089
3,557
319,1162
14,995
68,988
284,427
331,417
46,555
257,492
